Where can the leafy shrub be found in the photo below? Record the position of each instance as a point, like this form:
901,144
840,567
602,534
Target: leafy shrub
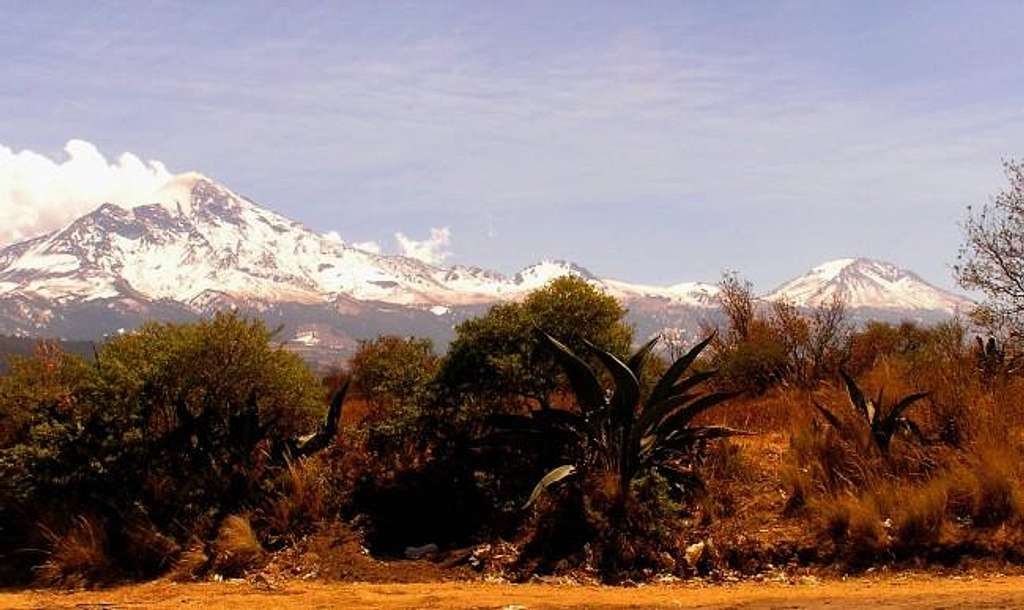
395,376
180,423
756,363
497,362
47,380
767,345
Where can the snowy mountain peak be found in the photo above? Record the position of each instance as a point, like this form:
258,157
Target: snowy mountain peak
864,282
196,246
538,274
177,195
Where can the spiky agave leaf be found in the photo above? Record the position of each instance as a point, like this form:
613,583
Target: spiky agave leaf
683,441
554,476
654,412
563,418
329,428
684,415
905,403
682,479
887,426
830,417
639,357
663,388
544,426
584,382
856,396
627,387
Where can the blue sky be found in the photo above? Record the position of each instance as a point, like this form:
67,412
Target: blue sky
656,142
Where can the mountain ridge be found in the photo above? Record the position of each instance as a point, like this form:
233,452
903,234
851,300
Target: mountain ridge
203,247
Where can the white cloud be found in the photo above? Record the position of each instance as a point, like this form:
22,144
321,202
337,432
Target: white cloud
368,246
432,250
38,194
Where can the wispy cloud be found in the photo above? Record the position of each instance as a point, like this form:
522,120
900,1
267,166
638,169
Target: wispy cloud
433,250
368,246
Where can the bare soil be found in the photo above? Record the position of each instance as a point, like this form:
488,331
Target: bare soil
892,592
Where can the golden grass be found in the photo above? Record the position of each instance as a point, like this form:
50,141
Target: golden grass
77,557
191,563
236,548
300,503
920,514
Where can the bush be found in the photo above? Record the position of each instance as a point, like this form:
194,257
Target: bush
765,345
47,380
497,362
754,364
179,423
395,376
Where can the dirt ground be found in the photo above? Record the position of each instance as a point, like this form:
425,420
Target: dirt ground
894,592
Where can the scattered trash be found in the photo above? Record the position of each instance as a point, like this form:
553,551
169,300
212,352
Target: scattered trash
694,553
419,552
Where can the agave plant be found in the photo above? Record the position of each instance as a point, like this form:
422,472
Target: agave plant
993,359
617,433
322,437
883,423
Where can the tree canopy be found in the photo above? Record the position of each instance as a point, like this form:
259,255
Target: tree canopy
500,356
992,257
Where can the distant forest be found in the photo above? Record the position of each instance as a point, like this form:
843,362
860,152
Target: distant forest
24,346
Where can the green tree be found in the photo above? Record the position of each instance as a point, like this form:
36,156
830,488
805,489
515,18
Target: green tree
395,377
499,360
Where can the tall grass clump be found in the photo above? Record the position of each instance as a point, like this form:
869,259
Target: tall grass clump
78,556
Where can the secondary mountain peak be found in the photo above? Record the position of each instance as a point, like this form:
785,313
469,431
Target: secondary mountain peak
868,283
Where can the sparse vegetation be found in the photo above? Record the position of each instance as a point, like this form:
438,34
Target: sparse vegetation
202,449
883,423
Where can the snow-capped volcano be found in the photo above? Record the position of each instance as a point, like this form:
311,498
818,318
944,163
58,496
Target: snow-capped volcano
866,283
199,246
202,238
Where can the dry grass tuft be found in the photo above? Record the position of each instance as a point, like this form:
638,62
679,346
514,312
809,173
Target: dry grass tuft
997,497
78,557
236,549
191,563
855,526
300,504
920,513
150,549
